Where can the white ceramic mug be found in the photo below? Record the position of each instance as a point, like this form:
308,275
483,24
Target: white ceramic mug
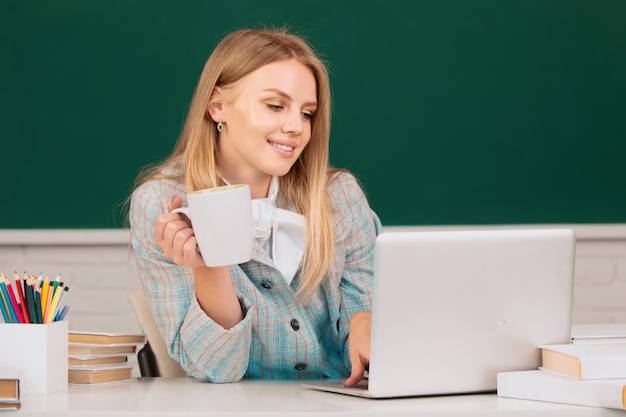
221,219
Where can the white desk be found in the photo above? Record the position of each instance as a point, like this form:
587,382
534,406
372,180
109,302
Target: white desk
162,397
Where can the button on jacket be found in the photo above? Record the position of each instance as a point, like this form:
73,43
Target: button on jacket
280,336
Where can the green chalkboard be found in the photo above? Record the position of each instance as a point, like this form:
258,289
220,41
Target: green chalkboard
448,111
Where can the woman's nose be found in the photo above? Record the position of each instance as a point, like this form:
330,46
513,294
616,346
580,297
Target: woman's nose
294,124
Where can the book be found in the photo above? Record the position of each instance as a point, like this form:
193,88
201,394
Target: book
94,338
9,406
99,375
598,333
89,349
585,361
540,385
9,393
94,360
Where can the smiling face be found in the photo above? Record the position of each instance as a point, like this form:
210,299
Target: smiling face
268,125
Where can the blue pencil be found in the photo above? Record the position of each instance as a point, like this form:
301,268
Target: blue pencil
61,314
7,300
5,313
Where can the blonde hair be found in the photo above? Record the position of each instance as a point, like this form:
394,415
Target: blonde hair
305,187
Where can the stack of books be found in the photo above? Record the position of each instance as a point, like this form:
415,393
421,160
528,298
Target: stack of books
591,374
96,358
9,390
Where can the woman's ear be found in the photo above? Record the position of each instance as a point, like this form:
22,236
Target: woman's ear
215,107
214,111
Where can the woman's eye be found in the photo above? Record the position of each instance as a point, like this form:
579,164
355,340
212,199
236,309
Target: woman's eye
307,116
275,107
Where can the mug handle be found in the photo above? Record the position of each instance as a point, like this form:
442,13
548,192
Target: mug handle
184,210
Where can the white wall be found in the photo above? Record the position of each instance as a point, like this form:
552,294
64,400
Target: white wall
96,265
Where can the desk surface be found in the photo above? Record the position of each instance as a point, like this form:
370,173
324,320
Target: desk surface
189,397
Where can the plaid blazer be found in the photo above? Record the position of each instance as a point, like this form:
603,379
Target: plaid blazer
280,337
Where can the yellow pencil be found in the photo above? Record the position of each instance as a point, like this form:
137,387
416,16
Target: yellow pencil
58,306
52,290
53,306
44,295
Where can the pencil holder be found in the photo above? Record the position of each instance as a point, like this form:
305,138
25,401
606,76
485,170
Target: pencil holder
39,352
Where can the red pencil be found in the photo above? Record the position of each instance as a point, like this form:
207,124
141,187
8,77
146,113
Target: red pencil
20,294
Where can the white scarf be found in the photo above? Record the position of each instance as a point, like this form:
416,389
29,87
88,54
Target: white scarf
287,229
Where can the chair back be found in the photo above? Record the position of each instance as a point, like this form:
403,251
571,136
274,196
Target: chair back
167,367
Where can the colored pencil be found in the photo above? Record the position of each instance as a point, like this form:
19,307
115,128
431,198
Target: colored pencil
38,312
7,301
44,294
16,306
32,309
61,314
55,302
51,305
51,291
12,299
57,307
4,308
20,294
34,299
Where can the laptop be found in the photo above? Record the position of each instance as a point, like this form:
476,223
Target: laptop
451,309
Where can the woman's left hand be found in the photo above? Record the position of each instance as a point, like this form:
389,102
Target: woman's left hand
359,345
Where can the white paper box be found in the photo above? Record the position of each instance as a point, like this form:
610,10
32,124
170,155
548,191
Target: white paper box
39,351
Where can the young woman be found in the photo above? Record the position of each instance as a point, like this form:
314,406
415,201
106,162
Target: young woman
300,308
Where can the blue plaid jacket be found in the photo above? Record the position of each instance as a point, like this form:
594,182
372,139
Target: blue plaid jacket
280,337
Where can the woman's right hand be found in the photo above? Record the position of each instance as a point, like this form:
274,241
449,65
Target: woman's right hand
174,236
